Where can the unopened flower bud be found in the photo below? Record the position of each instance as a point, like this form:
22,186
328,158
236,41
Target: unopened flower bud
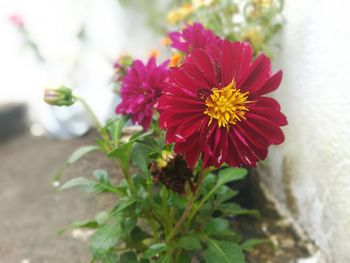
17,21
61,96
121,66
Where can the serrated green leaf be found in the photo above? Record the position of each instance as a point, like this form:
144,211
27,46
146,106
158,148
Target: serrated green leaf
128,257
223,252
78,182
231,174
75,156
106,237
191,242
154,250
216,226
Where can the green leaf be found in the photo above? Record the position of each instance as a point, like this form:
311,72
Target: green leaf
140,157
167,258
106,237
140,135
123,204
250,244
128,225
190,243
122,153
208,183
216,226
128,257
184,257
224,193
223,252
177,201
233,209
154,250
115,128
80,153
137,235
84,224
102,217
231,174
101,175
78,182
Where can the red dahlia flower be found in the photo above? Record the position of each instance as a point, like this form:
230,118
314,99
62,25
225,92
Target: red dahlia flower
215,106
141,87
193,36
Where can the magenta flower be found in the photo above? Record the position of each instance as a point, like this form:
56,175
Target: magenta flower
141,87
193,36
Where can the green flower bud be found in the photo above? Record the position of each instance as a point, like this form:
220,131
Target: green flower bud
61,96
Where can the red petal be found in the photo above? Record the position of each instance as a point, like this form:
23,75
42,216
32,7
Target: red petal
202,60
259,153
258,74
230,61
271,85
245,58
265,102
188,127
274,116
247,132
245,154
270,131
180,77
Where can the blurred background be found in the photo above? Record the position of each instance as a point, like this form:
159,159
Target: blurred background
46,43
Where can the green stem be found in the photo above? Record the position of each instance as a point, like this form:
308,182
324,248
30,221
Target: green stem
107,139
194,212
127,177
188,209
90,112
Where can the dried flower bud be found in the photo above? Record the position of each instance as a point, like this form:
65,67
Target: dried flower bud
172,172
61,96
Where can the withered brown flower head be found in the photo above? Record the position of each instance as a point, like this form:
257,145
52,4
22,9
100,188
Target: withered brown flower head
173,175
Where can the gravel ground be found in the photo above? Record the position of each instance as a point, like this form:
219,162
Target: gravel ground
32,210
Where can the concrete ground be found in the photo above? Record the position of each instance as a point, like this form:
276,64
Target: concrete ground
32,210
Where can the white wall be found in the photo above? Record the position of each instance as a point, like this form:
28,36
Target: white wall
53,24
310,173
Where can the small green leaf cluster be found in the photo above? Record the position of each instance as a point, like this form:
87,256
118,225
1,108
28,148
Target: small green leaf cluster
150,223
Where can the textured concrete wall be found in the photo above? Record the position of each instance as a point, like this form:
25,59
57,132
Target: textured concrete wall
310,173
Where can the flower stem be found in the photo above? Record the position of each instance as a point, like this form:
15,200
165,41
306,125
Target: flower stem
92,115
188,208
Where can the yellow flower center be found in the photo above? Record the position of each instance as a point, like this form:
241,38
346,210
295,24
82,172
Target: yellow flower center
226,105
